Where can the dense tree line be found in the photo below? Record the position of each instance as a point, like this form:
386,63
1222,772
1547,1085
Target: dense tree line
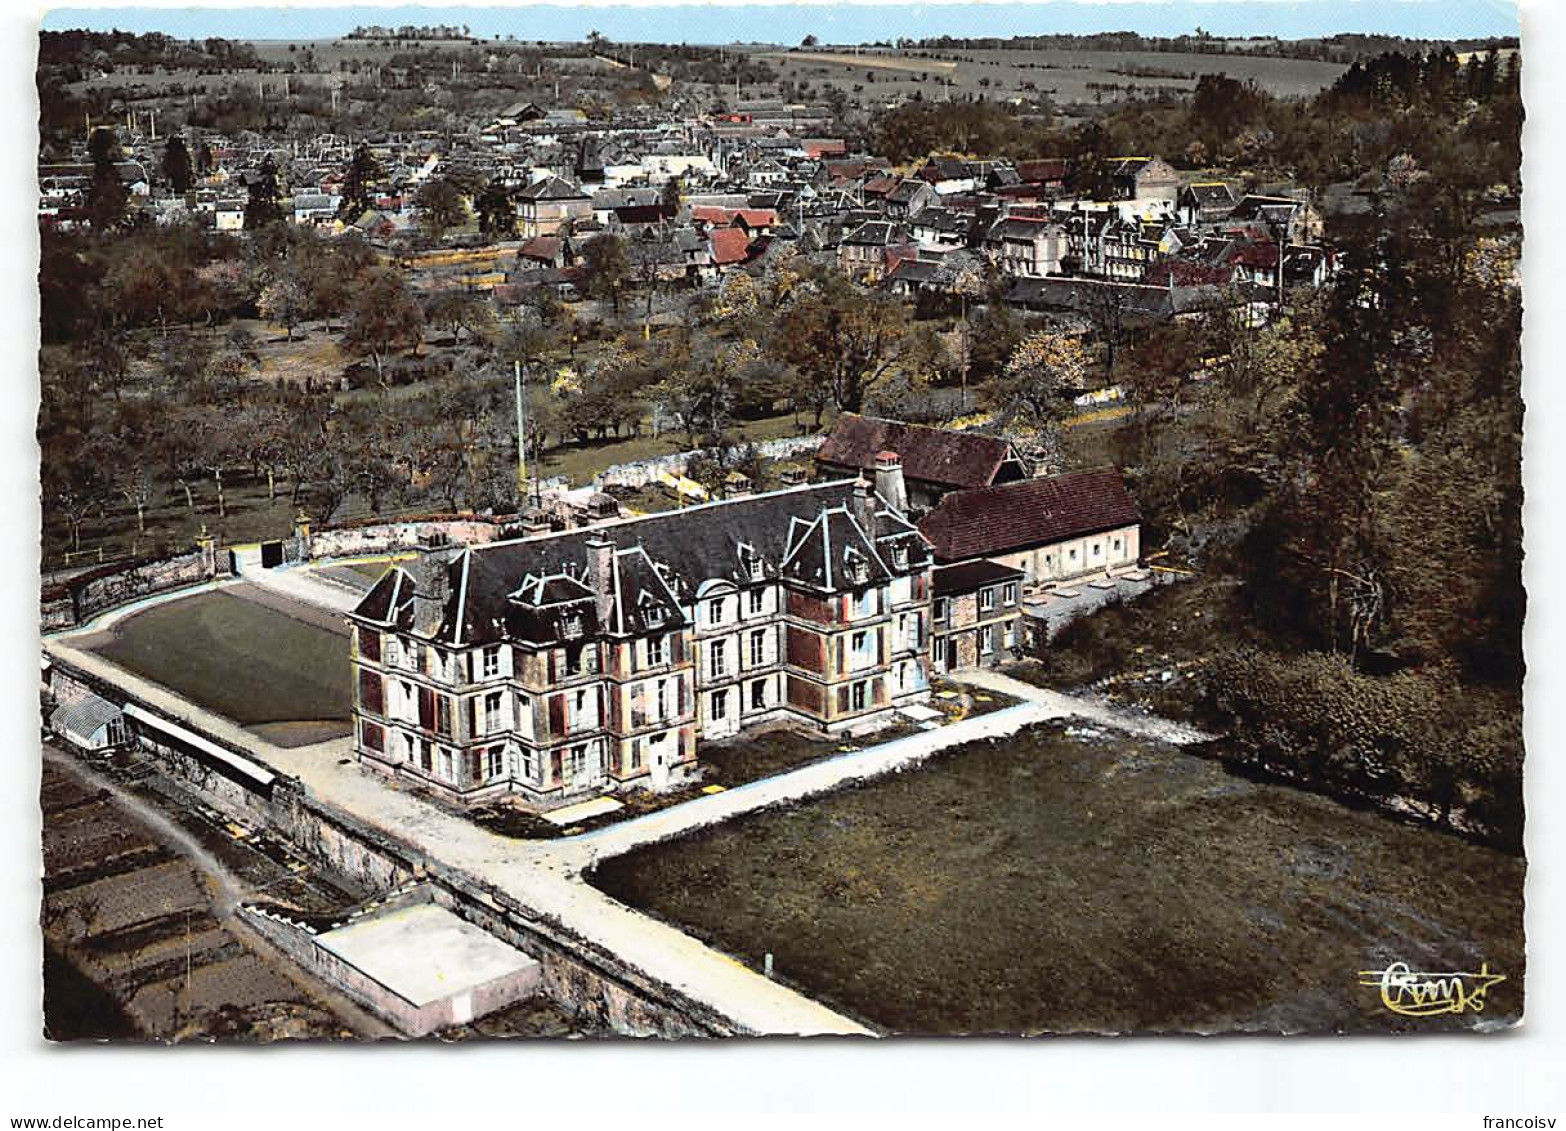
1426,106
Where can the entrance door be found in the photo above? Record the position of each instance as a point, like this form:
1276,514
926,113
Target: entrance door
951,654
659,753
585,769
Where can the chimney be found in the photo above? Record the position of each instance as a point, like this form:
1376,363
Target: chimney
889,482
431,590
865,506
600,574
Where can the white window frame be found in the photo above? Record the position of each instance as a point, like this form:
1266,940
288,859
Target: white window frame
719,702
489,661
1009,593
717,658
715,611
987,599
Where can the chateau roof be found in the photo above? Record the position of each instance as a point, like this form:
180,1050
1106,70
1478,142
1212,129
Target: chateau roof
527,588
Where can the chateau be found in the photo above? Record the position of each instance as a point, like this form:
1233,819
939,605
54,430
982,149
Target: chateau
595,659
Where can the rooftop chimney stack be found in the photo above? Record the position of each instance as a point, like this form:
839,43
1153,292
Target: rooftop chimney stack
865,506
431,590
889,481
600,574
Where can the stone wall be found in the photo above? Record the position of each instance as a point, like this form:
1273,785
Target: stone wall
88,594
579,976
412,534
646,471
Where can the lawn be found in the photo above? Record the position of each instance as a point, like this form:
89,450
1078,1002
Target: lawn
1082,882
251,663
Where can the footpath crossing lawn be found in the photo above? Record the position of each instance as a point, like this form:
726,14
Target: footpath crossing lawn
250,662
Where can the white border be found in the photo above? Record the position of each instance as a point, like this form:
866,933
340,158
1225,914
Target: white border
575,1085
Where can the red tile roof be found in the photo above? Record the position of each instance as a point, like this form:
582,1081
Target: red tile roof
1034,512
546,248
720,217
930,455
729,245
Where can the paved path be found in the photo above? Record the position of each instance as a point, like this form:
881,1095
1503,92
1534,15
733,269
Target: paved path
304,585
818,777
1059,705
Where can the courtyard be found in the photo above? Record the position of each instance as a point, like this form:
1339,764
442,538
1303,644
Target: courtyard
275,666
1073,880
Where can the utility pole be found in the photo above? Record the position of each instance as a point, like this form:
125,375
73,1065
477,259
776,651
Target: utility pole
521,436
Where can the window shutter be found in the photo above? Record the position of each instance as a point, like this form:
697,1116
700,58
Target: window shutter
426,708
473,717
371,693
557,724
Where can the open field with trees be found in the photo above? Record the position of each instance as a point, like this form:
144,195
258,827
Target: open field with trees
1061,77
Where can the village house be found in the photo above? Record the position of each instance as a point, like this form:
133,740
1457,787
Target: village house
548,205
1027,246
594,660
1206,202
1144,178
868,249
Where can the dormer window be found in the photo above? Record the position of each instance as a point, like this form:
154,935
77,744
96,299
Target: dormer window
857,567
900,555
571,626
750,562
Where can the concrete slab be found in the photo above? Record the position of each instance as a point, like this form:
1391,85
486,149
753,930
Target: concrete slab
582,811
919,713
425,953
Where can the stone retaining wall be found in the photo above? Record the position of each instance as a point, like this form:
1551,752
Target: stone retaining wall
646,471
579,976
98,590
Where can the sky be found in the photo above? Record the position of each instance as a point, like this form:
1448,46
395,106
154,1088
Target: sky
832,23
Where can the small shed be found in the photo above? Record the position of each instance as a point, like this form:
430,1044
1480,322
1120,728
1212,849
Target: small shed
90,722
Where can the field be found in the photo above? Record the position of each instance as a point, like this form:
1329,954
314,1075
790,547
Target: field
1064,76
279,671
1079,882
